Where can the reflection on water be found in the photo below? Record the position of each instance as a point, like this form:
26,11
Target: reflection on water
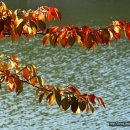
104,71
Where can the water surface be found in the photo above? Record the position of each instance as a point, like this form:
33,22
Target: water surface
104,71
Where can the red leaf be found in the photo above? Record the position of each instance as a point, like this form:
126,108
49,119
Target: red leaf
49,15
11,84
53,29
64,42
91,98
127,30
85,29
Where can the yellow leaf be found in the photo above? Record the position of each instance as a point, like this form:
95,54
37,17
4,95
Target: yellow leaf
1,55
117,29
78,111
41,17
11,65
33,81
51,98
19,21
33,69
29,30
41,81
4,5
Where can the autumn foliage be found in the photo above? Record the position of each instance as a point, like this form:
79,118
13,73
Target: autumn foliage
32,22
16,75
28,23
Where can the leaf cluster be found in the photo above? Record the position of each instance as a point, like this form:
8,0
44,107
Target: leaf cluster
16,75
20,22
32,22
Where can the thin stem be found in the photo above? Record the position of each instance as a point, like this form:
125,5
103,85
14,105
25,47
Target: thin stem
8,33
25,81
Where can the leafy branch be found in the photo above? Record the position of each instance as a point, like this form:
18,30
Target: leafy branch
15,75
32,22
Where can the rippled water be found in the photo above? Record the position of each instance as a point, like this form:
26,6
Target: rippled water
104,71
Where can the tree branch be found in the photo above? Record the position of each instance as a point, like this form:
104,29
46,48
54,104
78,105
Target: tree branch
8,33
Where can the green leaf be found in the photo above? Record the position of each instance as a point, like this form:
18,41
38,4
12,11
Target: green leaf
71,41
58,96
19,88
91,108
41,97
87,107
53,40
41,81
33,27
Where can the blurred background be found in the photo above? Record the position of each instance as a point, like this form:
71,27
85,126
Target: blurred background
80,11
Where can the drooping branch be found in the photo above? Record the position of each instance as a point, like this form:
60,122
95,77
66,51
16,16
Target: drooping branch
67,97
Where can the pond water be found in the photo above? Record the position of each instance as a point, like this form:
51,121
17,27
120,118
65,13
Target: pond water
104,71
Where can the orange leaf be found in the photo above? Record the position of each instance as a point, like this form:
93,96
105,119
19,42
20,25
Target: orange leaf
26,73
46,39
11,84
51,98
2,66
33,81
117,35
101,101
41,17
15,59
49,16
64,42
11,65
